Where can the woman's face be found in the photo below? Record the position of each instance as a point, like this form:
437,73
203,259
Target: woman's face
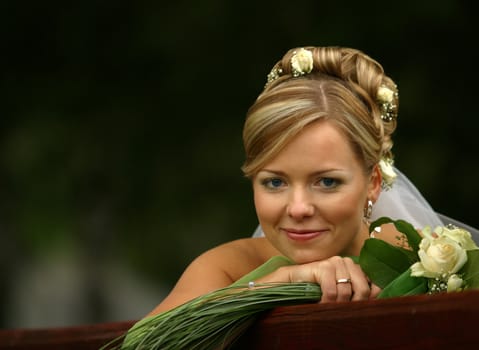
310,199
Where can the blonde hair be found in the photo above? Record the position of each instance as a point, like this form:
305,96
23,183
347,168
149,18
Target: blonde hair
341,88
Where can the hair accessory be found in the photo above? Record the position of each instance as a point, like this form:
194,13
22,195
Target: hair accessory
251,284
385,97
301,62
387,171
274,74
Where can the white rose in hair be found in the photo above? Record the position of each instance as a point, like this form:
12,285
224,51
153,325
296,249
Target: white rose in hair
302,62
385,95
387,171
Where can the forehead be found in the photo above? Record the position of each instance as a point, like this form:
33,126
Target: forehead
320,144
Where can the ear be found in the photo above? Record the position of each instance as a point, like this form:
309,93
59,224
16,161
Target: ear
374,186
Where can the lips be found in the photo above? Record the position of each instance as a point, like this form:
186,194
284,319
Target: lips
302,235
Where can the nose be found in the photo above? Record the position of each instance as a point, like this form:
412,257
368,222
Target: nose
300,205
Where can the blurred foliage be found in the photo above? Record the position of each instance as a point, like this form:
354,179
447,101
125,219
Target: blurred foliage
121,121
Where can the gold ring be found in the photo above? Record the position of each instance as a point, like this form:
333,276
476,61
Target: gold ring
343,280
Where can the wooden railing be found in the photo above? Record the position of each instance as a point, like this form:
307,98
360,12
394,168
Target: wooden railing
445,321
86,337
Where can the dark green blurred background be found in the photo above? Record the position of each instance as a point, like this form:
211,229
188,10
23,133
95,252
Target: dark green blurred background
121,127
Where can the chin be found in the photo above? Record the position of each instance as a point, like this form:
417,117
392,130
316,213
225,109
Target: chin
306,257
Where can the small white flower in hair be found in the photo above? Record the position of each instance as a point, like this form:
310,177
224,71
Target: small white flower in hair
385,95
302,62
387,172
385,98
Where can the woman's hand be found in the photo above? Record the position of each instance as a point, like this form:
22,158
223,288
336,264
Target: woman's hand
340,279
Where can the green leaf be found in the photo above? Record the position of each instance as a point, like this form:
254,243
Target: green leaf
268,267
404,285
413,237
383,262
471,270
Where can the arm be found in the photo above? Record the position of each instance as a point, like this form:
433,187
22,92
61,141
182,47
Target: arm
326,273
212,270
223,265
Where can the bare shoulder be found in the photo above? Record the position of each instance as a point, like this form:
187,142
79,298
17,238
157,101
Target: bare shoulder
217,268
238,257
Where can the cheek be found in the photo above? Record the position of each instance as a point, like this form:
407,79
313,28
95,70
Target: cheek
344,212
268,209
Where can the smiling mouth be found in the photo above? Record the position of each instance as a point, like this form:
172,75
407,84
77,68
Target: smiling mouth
302,235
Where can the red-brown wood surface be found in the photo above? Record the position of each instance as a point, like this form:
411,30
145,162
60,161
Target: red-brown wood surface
83,337
446,321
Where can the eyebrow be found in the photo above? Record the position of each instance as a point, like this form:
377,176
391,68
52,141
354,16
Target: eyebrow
282,173
278,172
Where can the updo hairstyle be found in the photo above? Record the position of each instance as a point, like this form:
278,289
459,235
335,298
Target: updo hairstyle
341,87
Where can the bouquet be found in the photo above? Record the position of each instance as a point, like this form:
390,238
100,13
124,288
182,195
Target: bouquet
445,259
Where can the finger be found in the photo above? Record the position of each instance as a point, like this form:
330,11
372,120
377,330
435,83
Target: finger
375,290
343,280
359,281
327,281
344,289
320,272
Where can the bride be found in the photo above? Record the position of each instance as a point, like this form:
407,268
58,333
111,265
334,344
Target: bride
318,144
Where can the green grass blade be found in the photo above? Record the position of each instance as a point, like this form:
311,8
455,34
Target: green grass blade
216,319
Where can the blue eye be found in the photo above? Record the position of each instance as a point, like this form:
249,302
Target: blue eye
328,182
276,182
273,183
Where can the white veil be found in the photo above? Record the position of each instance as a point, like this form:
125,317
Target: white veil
404,201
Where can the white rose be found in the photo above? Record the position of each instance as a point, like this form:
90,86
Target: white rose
302,62
454,283
385,94
439,257
459,235
387,171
